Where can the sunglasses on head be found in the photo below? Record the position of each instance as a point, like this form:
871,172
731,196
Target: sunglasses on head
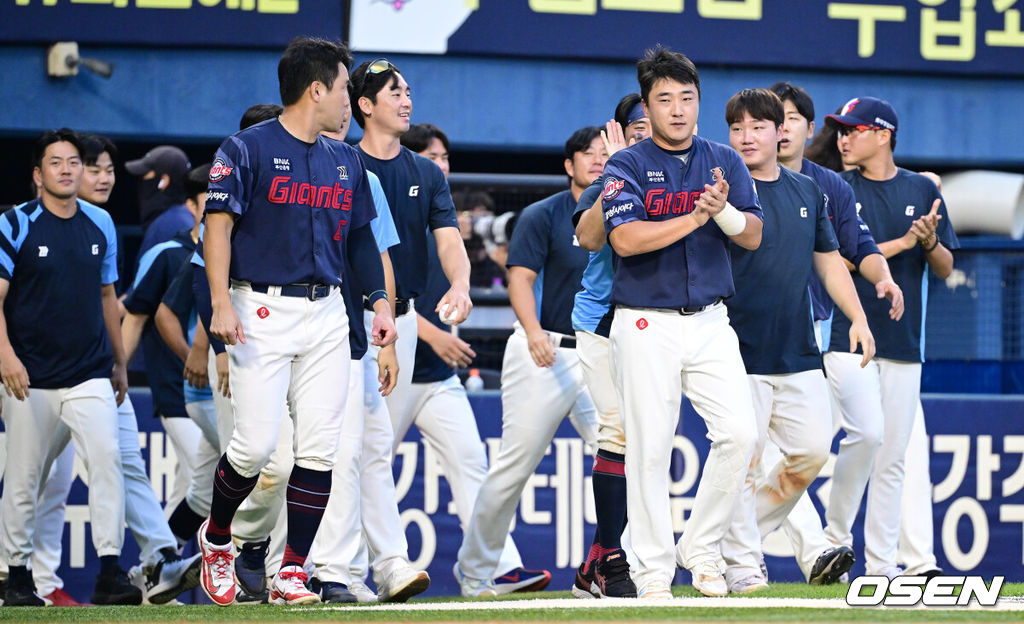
380,66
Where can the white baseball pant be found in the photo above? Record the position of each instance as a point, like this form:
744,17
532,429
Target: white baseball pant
295,351
793,410
184,436
89,411
898,386
917,539
657,356
534,400
595,355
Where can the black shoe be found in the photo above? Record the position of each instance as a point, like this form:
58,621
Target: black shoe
930,574
114,588
170,577
21,589
584,586
612,576
832,564
333,592
251,572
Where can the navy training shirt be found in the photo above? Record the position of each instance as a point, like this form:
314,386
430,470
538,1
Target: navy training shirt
853,235
419,199
294,202
771,308
889,207
544,241
429,367
158,268
54,307
646,182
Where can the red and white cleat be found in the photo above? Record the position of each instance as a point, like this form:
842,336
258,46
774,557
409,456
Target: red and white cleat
289,587
218,569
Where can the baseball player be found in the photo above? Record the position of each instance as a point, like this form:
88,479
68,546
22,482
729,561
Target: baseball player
791,400
438,400
61,364
541,380
605,573
666,216
419,199
905,210
819,560
283,317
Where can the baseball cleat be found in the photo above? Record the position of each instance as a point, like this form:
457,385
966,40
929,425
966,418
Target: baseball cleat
612,576
708,579
362,593
21,589
749,584
114,588
522,580
831,565
584,586
60,598
333,592
402,584
217,574
656,590
289,587
473,588
251,572
170,578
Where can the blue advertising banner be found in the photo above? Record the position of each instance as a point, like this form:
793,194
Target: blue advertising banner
962,36
207,23
977,468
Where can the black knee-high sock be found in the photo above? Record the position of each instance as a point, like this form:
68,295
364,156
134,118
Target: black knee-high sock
184,522
229,490
609,481
308,491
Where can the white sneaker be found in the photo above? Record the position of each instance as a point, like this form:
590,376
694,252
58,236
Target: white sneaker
363,593
217,569
891,572
402,583
749,584
289,587
708,579
655,590
474,588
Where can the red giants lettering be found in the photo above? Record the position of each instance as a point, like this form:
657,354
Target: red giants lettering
284,191
660,202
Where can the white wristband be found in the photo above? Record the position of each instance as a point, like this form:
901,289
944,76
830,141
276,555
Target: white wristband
731,221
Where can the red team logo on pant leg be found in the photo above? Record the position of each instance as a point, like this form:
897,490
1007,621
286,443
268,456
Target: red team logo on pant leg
263,312
641,324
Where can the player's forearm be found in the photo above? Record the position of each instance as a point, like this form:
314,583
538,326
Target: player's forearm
427,331
640,237
940,260
452,253
750,237
590,229
112,319
895,246
131,332
170,330
839,284
524,303
217,254
389,278
874,268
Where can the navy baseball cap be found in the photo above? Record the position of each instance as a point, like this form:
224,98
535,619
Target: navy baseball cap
164,159
866,111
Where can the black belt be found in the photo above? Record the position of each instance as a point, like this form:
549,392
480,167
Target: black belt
401,306
309,291
563,341
695,310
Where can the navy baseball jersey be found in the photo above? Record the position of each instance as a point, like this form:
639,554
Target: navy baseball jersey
295,204
889,208
181,300
54,307
854,236
419,199
158,267
429,367
592,310
544,241
646,182
771,308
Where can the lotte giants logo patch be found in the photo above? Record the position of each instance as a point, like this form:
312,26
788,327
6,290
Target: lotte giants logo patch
641,324
220,170
612,188
263,312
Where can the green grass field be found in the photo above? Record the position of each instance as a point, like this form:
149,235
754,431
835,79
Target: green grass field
543,607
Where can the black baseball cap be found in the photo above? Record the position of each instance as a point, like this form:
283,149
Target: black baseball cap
866,111
163,159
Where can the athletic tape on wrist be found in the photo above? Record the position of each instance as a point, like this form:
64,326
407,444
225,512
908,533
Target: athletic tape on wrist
730,220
